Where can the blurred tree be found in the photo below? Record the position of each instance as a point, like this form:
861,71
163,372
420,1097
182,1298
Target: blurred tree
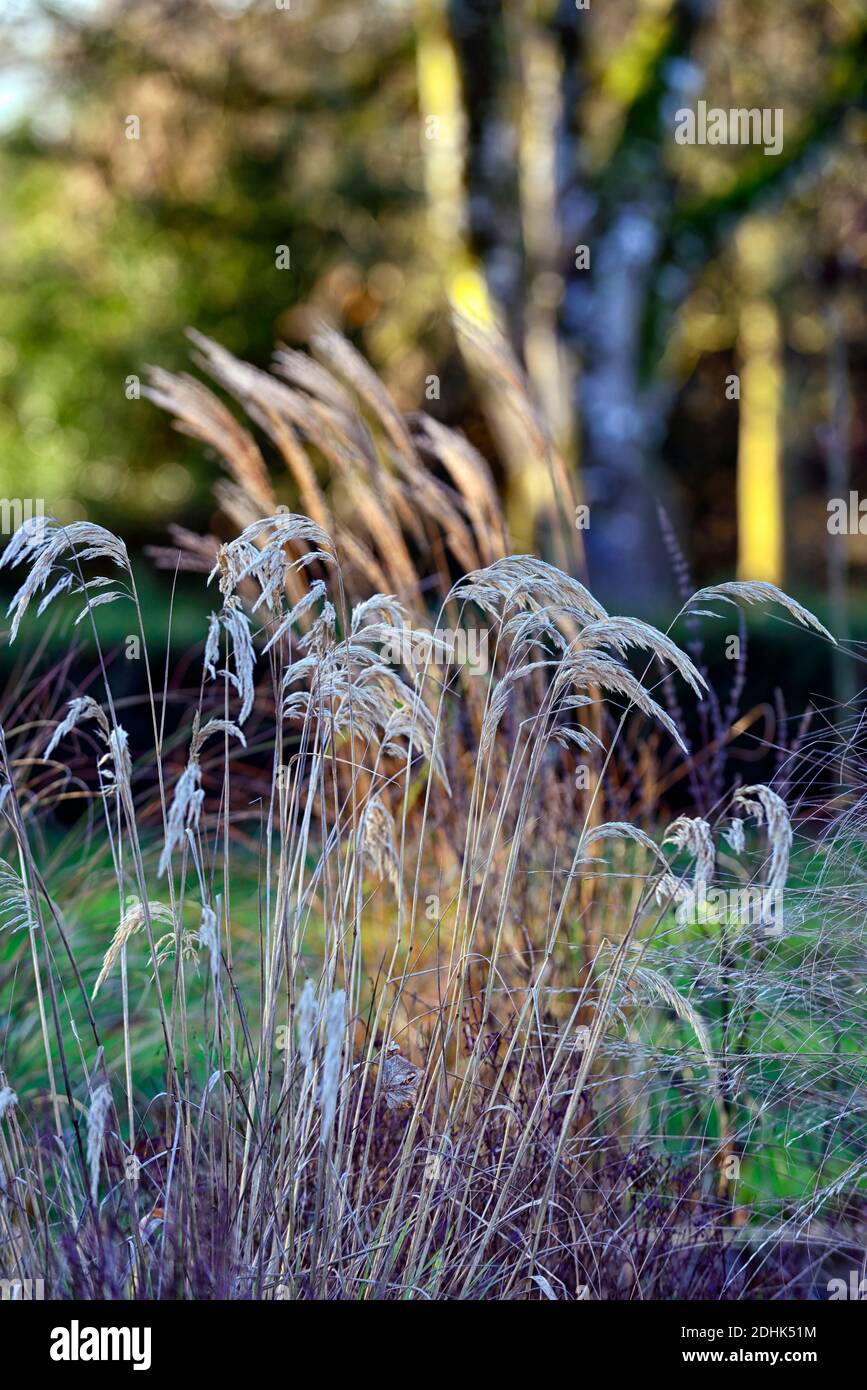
172,150
511,159
622,226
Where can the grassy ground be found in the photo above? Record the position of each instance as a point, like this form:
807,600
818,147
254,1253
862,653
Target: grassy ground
794,1067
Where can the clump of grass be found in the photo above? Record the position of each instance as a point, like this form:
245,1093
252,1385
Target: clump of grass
463,1055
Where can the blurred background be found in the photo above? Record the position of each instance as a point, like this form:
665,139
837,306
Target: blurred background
691,319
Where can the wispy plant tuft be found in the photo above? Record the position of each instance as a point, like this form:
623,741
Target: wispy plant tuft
422,1013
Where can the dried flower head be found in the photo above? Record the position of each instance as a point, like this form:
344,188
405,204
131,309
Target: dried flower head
400,1080
186,807
100,1104
132,921
334,1037
42,546
768,808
